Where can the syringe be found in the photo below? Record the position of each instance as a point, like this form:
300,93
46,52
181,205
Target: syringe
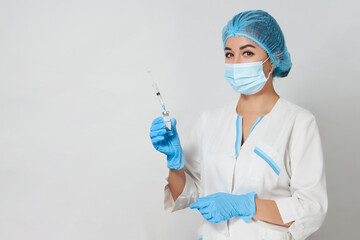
165,113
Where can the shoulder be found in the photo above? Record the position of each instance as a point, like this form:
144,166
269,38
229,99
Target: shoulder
223,111
303,120
211,118
299,113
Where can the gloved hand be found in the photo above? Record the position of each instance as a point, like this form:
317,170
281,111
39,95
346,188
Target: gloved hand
222,206
166,143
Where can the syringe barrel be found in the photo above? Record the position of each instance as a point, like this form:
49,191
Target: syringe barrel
158,95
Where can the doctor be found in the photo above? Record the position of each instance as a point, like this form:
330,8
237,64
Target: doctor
254,168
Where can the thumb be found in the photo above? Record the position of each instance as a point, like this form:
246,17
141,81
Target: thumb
173,123
246,218
198,204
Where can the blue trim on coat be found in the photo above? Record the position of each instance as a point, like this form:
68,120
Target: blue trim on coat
268,159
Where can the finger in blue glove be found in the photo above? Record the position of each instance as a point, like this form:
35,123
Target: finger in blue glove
221,206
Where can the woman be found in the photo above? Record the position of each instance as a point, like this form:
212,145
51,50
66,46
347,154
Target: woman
253,168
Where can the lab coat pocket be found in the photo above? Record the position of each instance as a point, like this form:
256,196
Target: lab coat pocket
265,166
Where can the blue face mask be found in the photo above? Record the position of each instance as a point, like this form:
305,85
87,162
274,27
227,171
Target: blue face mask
246,78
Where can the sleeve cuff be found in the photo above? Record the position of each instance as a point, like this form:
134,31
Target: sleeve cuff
288,208
188,196
291,210
301,229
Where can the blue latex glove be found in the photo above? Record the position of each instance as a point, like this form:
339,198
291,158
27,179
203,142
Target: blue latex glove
222,206
166,143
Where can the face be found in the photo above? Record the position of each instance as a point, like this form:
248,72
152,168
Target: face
243,50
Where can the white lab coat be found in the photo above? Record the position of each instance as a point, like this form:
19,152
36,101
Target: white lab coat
289,135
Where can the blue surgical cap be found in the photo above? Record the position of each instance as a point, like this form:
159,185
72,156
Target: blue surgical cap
262,28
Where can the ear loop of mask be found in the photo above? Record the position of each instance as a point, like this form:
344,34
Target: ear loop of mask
268,75
270,71
265,60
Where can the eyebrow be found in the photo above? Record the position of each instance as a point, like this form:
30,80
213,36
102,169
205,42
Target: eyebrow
241,48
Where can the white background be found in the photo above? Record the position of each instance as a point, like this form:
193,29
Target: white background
76,160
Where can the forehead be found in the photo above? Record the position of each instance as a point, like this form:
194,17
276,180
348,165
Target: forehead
239,41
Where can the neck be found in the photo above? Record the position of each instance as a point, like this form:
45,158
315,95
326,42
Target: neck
256,104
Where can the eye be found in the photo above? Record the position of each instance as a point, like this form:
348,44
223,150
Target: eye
249,53
227,54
